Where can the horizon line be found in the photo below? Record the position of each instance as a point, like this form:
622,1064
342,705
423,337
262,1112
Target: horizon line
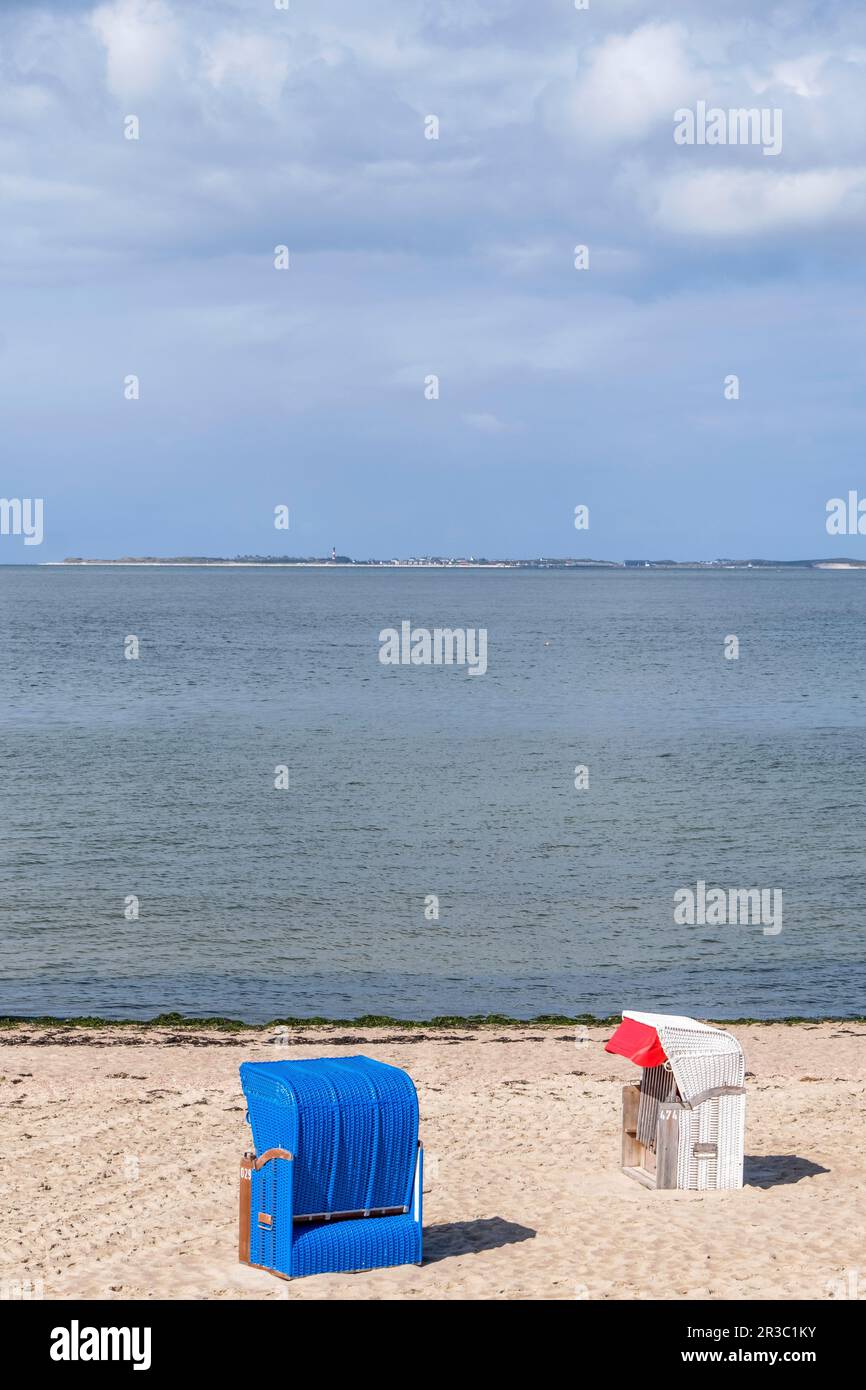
441,562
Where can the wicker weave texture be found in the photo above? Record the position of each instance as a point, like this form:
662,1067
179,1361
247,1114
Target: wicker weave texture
701,1059
271,1243
351,1122
343,1246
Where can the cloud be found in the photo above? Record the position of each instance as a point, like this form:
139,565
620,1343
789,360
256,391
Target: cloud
411,256
801,75
631,82
486,423
746,202
141,41
254,64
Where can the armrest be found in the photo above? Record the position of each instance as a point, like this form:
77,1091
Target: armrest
265,1210
712,1094
270,1154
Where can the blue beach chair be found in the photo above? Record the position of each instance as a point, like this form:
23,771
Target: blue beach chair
337,1182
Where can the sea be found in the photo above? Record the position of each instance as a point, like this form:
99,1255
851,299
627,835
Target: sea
217,800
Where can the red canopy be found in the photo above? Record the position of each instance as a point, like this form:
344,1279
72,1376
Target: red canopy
639,1042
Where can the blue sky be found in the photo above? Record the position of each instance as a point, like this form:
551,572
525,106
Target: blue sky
409,256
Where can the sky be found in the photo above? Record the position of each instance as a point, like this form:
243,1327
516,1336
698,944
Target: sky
412,257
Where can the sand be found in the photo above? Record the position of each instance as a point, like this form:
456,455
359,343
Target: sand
120,1151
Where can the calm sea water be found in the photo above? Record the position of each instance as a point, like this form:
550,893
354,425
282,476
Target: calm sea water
155,778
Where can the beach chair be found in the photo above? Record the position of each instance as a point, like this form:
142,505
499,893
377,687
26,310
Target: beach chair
683,1125
334,1183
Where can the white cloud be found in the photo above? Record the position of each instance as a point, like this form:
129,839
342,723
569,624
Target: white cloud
799,75
141,42
739,202
529,257
255,64
485,422
632,81
22,189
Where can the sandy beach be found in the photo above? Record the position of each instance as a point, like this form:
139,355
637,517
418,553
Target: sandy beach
121,1145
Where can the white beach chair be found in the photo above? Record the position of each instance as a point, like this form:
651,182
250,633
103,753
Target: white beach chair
683,1125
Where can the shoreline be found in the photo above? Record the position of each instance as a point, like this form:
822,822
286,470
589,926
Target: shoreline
92,1022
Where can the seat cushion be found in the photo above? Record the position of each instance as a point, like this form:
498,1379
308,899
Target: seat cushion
366,1243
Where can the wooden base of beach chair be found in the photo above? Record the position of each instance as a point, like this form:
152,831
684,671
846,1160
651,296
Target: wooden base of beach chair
659,1168
653,1168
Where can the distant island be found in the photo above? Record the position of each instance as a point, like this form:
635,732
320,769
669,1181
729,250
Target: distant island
334,560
